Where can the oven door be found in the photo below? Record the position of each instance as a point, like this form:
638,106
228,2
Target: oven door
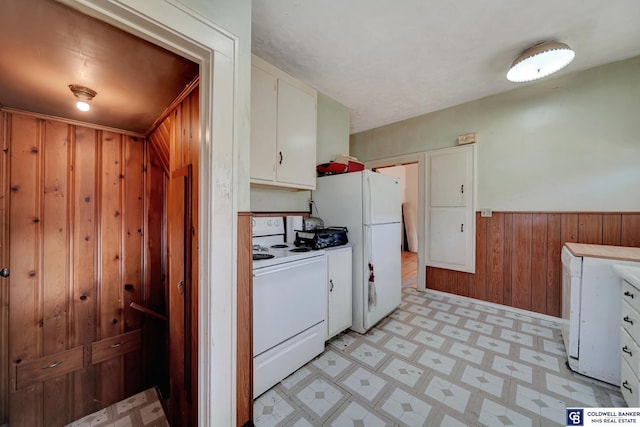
288,299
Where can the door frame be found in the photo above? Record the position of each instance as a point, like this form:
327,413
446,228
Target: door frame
420,159
179,29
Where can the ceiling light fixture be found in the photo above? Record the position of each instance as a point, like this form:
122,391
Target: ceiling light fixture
540,61
84,94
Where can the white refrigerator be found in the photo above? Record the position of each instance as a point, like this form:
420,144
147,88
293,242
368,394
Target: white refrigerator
369,204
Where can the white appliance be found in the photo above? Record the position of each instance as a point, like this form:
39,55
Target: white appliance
591,307
289,304
369,205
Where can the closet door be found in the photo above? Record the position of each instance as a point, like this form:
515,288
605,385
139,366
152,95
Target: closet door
450,218
179,243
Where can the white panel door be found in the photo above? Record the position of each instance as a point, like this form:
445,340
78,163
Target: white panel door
450,209
449,240
296,136
382,250
382,198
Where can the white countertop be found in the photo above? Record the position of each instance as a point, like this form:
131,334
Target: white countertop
629,273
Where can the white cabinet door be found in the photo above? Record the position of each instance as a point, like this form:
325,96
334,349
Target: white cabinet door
296,136
450,209
339,289
283,129
263,124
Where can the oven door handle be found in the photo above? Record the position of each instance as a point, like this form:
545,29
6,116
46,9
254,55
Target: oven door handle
257,272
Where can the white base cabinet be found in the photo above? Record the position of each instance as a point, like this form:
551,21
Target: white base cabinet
630,334
339,289
283,129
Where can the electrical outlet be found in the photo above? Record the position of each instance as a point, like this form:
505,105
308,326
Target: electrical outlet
486,213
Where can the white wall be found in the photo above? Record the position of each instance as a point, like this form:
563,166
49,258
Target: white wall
333,139
564,144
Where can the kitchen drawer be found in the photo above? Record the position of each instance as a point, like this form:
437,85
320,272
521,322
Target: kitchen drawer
48,367
629,350
115,346
630,320
631,295
629,385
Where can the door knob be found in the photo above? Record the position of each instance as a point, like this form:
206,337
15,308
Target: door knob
4,272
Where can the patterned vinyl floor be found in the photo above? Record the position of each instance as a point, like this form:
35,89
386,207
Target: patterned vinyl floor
140,410
438,360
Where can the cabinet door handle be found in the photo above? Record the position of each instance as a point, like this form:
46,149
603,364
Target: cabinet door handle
462,189
626,319
625,384
53,365
280,157
628,294
462,228
116,345
330,285
626,350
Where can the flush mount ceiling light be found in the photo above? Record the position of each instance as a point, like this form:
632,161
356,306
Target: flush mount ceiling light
540,61
84,94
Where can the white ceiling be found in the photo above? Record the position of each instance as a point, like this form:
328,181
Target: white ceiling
391,60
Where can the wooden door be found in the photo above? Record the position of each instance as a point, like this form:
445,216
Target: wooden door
179,244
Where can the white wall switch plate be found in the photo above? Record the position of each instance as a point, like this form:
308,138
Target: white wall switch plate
486,213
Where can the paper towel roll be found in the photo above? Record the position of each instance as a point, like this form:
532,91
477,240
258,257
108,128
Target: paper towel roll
294,222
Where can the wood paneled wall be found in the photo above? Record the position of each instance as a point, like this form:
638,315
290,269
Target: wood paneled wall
518,255
75,209
174,144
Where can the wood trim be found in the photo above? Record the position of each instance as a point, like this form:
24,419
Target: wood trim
72,122
4,261
518,255
244,373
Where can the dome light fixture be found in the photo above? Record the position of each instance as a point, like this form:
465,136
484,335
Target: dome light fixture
540,61
84,95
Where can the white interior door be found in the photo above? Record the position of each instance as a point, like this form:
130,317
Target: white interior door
450,209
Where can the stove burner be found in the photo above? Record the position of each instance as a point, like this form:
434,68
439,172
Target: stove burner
279,246
300,249
257,257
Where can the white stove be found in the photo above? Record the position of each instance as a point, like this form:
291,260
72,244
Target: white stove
269,246
289,304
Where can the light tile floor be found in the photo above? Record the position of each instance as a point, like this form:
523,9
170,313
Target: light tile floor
140,410
438,360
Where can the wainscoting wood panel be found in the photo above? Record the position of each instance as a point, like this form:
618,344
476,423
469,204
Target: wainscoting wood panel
518,255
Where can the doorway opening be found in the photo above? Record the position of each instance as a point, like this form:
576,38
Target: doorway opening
191,36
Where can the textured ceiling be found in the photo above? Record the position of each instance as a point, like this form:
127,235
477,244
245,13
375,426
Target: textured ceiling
392,60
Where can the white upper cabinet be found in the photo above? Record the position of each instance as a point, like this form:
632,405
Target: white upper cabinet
450,211
283,129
